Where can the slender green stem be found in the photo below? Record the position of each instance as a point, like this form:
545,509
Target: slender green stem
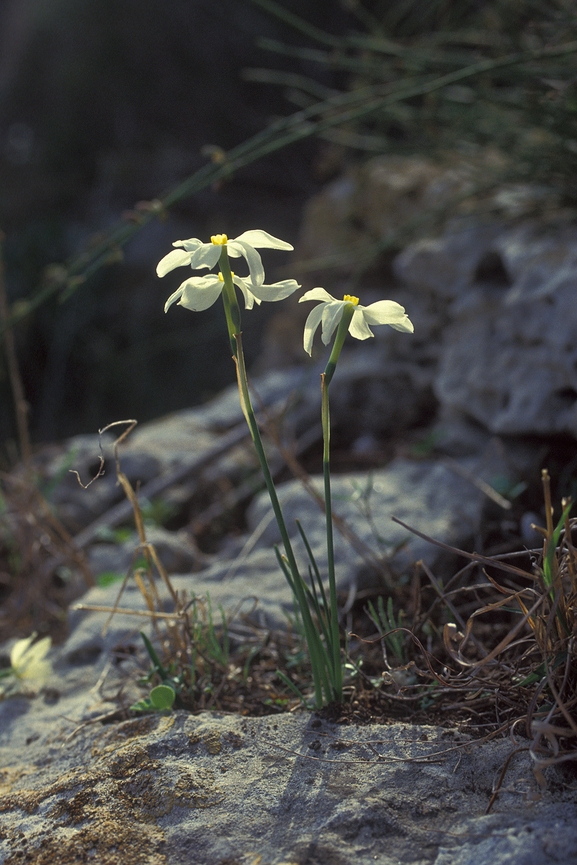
321,677
333,616
298,23
257,440
342,331
156,662
326,377
231,307
315,573
324,691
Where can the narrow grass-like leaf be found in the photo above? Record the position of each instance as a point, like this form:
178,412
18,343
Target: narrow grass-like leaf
315,569
156,662
292,687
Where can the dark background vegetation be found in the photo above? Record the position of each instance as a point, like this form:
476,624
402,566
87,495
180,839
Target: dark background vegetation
103,104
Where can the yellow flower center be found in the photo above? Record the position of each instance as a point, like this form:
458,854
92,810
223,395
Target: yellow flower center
350,298
219,239
221,277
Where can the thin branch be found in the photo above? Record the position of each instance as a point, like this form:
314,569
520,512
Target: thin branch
20,404
475,557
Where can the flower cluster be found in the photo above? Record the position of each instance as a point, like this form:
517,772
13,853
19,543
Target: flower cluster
200,292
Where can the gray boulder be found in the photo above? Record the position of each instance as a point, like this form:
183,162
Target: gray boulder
213,788
429,496
509,357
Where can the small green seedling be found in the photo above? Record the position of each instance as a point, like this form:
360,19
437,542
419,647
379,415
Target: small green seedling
388,627
160,699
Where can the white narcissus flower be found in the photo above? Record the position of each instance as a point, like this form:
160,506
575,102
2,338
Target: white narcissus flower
200,292
330,312
198,254
28,661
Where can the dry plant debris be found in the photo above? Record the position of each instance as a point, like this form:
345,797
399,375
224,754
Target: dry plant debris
491,651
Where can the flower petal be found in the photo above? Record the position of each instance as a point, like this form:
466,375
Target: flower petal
37,652
27,660
200,292
249,297
206,255
176,258
406,325
173,298
317,294
332,314
19,649
263,240
388,312
311,325
358,326
190,245
40,671
276,291
237,248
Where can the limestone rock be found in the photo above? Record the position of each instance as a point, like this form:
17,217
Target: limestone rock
491,296
292,788
426,495
447,265
174,549
509,358
78,784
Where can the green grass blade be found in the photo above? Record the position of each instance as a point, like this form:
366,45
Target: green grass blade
156,663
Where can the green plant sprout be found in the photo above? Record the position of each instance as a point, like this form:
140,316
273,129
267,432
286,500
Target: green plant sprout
389,627
160,699
317,609
208,651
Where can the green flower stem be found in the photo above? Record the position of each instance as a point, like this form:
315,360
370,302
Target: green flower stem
231,307
332,612
324,689
326,425
320,663
342,331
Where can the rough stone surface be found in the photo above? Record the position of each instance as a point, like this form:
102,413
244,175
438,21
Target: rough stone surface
175,550
163,790
158,448
509,358
426,495
447,265
429,496
491,297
